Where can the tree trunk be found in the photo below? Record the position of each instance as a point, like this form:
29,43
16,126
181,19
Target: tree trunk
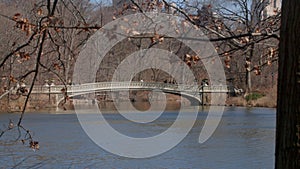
248,70
248,81
288,105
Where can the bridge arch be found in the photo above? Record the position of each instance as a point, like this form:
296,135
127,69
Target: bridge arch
192,93
189,92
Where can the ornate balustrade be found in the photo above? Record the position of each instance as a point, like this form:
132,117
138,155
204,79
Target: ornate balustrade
131,85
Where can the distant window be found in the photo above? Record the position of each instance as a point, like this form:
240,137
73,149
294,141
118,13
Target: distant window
274,4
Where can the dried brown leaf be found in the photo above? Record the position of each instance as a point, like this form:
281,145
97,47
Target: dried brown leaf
40,11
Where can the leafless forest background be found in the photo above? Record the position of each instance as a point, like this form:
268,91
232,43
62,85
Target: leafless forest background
40,40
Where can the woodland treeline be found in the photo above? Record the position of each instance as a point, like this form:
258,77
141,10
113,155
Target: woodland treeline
41,40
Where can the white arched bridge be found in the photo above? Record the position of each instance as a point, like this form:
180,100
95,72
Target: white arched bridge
193,93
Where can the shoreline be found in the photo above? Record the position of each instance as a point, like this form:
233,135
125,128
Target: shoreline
114,111
173,103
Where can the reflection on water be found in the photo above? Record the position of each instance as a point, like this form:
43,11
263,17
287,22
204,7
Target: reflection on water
244,139
140,105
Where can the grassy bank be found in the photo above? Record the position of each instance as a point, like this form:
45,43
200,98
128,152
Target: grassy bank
262,98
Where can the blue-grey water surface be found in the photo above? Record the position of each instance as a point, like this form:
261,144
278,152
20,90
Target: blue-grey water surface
244,139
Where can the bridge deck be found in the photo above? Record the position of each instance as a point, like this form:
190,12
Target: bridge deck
119,86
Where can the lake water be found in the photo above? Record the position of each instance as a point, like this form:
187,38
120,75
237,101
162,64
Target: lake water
245,138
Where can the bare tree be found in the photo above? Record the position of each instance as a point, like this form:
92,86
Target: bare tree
240,28
48,37
243,34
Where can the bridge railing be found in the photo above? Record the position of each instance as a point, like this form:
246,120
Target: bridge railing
46,89
215,89
138,85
